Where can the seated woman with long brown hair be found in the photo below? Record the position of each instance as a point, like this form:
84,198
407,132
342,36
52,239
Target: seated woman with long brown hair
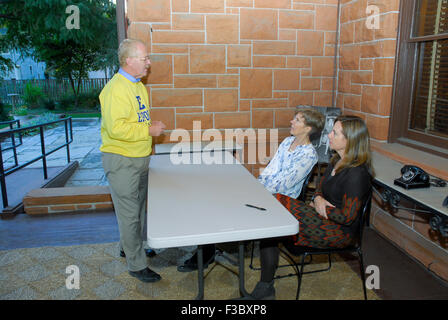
330,219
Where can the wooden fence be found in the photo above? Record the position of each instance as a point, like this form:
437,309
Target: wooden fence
11,91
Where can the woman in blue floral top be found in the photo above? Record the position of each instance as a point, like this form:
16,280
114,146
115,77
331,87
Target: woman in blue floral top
295,156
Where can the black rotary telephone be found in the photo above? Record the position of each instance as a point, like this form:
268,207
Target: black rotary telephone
412,177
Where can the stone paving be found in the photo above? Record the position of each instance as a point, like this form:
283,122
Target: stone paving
84,149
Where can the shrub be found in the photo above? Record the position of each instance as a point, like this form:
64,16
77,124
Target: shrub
89,100
4,111
21,111
47,103
32,95
86,100
67,102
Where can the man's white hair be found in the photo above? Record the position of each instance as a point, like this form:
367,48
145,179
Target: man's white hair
127,49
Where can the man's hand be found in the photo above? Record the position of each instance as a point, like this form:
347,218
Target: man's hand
320,204
156,128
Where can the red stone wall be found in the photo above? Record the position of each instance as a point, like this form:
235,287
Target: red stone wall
236,63
366,63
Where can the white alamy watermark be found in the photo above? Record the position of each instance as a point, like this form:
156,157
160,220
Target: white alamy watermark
373,280
72,281
211,140
373,17
72,21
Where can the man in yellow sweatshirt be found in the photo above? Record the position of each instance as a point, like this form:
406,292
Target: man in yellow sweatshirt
126,132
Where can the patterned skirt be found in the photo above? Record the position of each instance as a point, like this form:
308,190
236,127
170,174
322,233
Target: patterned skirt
314,230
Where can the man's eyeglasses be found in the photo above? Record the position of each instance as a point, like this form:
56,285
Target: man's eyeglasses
147,58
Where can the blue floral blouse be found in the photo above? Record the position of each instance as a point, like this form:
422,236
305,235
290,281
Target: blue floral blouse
287,170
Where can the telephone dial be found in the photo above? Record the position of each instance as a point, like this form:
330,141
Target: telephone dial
412,177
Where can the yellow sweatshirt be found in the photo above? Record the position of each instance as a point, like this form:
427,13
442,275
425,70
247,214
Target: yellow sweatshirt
125,118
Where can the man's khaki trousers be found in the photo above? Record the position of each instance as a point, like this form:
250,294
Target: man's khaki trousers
128,181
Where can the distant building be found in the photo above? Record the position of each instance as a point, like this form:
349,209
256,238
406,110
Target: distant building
27,68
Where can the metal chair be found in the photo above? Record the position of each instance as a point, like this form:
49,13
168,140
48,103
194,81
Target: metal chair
302,197
354,248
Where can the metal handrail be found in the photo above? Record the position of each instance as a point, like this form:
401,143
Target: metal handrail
13,140
44,153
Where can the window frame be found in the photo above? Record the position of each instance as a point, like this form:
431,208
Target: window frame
403,89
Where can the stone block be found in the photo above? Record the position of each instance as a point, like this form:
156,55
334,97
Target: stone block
188,22
181,5
185,121
286,79
176,97
207,59
275,4
222,29
383,71
296,20
258,24
171,37
232,120
255,83
310,43
149,10
221,100
370,98
195,81
161,71
166,115
349,57
326,18
207,6
274,47
322,67
262,118
238,55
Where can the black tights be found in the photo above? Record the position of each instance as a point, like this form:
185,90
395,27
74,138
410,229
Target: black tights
269,255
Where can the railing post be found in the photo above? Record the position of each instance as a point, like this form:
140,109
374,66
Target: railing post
13,141
42,145
67,139
20,132
3,180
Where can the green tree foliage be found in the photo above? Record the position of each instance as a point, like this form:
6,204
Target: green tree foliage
44,29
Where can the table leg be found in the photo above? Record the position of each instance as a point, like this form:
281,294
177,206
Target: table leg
200,295
243,291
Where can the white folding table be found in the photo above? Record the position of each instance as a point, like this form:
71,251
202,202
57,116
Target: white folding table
198,204
199,146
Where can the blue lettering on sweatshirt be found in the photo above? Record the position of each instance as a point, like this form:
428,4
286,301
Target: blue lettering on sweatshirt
142,116
141,106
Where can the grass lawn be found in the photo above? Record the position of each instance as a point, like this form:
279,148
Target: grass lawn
84,115
80,113
89,113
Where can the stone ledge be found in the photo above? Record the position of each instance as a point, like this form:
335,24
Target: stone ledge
67,199
432,256
432,164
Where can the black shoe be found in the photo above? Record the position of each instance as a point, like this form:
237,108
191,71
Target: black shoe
264,291
192,263
149,253
146,275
